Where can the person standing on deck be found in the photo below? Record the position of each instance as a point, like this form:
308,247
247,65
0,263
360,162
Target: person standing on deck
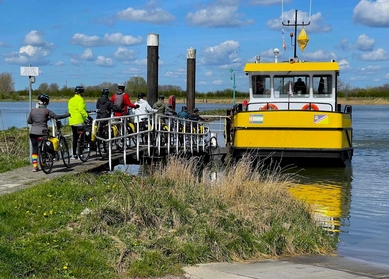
122,101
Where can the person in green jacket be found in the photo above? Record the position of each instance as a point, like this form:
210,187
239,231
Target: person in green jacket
77,110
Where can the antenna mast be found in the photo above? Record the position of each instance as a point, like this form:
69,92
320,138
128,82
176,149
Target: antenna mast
295,24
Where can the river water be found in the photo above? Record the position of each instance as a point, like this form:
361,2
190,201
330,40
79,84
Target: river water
352,202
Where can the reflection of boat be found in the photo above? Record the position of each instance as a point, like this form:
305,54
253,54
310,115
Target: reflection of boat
292,113
329,196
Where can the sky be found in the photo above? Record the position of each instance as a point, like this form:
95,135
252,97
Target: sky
88,42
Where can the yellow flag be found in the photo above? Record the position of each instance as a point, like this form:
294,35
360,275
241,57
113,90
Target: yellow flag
302,39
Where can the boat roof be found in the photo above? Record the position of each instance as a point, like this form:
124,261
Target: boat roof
291,66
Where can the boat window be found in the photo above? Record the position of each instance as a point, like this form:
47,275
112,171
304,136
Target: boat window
291,86
261,86
322,86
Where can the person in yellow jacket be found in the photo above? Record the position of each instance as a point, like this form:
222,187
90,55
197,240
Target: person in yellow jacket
77,110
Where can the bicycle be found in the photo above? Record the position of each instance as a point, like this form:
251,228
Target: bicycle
84,140
51,149
102,132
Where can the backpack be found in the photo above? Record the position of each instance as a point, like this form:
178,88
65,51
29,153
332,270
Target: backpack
119,101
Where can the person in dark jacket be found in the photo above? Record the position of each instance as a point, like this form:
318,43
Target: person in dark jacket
105,106
38,118
196,116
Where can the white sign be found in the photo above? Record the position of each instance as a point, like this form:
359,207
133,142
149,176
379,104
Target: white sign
29,71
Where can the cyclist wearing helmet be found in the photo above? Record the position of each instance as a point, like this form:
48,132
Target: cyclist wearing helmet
122,101
162,107
183,113
77,109
143,108
38,118
195,116
104,105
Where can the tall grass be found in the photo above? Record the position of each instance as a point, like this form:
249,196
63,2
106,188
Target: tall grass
14,149
122,226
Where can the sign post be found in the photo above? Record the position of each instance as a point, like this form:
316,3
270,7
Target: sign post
31,73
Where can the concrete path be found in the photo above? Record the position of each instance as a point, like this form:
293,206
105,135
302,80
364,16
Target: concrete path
22,178
312,267
309,267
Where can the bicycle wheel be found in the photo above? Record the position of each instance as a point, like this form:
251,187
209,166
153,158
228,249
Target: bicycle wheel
131,141
64,151
46,159
83,149
102,146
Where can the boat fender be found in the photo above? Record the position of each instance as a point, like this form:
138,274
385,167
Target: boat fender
269,107
313,107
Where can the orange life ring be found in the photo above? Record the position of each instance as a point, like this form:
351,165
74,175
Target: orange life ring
269,107
313,107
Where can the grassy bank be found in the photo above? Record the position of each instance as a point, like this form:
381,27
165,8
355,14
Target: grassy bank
120,226
14,149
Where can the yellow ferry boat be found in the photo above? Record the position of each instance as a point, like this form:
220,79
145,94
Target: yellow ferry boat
292,113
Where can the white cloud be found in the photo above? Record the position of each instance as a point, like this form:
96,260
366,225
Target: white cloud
75,62
34,38
108,39
316,22
344,64
225,53
371,70
267,2
103,61
123,54
365,43
319,55
59,63
216,16
87,55
375,55
33,53
156,16
372,13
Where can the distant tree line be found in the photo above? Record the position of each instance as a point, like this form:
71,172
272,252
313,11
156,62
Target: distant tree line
137,84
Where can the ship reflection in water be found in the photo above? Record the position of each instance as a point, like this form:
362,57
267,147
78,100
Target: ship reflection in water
328,193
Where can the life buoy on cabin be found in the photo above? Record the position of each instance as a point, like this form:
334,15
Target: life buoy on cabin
269,107
310,107
172,102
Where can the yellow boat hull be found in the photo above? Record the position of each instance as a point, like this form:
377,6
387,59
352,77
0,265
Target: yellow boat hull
293,133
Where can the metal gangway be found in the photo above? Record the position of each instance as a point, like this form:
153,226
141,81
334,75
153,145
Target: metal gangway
152,134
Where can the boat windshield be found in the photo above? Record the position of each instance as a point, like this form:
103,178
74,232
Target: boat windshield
261,86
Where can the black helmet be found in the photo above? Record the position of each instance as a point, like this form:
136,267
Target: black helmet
196,110
121,86
79,90
161,97
184,108
45,99
105,91
141,95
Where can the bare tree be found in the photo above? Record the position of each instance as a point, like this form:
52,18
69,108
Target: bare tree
6,83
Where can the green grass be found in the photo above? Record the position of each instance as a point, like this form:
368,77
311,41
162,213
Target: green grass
14,149
122,226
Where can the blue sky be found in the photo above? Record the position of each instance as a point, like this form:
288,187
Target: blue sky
88,42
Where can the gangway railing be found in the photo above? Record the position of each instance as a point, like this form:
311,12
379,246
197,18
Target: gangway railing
157,134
